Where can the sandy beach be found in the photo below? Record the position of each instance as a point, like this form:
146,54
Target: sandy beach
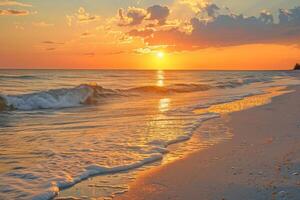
261,161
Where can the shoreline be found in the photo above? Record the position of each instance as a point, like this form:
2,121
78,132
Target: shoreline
236,168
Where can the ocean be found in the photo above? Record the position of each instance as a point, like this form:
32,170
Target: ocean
61,127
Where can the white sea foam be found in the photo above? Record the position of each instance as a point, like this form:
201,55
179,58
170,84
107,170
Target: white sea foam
60,98
90,171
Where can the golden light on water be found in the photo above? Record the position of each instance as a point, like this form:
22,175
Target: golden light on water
164,104
246,103
160,78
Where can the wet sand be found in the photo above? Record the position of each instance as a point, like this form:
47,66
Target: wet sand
261,161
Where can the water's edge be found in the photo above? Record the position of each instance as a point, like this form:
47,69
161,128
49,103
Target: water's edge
94,170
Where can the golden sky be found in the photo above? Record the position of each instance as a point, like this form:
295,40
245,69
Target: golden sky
150,34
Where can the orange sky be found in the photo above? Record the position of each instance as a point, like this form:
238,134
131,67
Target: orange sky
34,34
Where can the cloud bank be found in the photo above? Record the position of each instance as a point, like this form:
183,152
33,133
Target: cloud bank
210,28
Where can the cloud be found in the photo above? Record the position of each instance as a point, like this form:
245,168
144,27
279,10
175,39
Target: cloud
19,26
50,45
113,53
211,10
159,13
219,30
136,16
90,54
81,16
142,32
133,16
50,42
195,5
283,16
50,49
266,17
291,16
86,35
150,49
42,24
14,3
69,20
14,12
203,8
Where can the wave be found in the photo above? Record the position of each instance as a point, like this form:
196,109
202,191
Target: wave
57,98
176,88
90,171
18,77
240,82
84,94
156,151
88,94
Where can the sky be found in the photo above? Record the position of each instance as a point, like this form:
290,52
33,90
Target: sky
150,34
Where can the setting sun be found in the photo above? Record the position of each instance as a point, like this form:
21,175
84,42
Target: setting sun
160,54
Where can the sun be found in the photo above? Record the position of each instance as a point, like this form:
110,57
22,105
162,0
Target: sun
160,54
161,60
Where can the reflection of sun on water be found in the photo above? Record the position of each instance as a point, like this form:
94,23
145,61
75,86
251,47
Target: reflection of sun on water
164,105
246,103
160,78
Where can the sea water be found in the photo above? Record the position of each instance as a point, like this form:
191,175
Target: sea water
60,127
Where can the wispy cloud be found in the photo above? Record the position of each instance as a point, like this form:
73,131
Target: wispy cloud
14,3
50,45
50,42
19,26
81,16
50,49
113,53
42,24
86,34
14,12
90,54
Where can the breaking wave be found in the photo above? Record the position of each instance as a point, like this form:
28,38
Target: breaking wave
57,98
83,94
88,93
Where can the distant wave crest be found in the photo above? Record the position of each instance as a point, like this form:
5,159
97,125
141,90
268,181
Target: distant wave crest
176,88
18,77
241,82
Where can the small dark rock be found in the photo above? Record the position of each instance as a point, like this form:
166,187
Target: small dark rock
297,67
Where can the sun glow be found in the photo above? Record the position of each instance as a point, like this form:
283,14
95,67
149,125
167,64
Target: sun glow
160,54
161,60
